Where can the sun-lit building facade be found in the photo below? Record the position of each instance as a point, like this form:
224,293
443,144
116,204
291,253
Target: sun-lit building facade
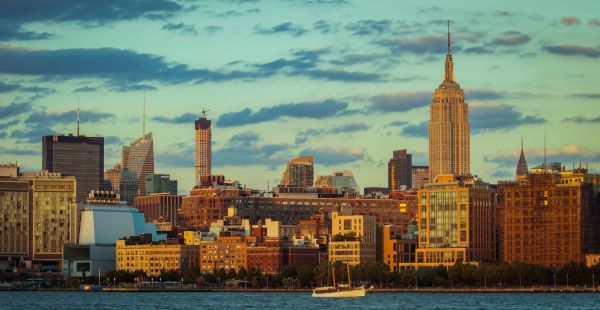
203,159
449,129
138,157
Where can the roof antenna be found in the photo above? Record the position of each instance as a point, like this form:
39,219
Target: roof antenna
78,120
545,164
144,116
449,37
204,111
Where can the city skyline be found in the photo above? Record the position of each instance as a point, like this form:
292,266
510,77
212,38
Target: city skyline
347,91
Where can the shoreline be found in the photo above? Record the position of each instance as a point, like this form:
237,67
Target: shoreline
305,290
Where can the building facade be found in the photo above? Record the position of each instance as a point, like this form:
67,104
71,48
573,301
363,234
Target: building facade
227,252
138,157
78,156
456,222
449,129
355,249
549,217
420,176
400,171
160,183
397,251
299,173
141,253
203,160
40,215
159,207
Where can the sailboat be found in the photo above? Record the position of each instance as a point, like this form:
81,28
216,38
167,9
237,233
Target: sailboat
340,291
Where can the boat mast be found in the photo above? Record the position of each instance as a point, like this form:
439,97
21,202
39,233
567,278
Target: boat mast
349,280
333,274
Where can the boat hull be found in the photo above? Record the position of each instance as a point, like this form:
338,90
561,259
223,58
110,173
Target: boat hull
354,293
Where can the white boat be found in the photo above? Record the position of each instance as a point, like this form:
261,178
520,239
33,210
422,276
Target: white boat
340,291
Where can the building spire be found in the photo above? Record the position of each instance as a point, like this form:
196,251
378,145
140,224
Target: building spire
449,72
78,119
522,168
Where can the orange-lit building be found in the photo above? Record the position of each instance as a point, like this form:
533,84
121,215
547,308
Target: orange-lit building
397,251
139,253
224,252
455,221
203,159
159,207
549,217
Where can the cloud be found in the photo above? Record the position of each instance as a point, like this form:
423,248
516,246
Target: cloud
212,29
582,119
587,95
369,27
132,87
115,65
9,123
33,133
52,118
10,31
181,28
511,38
484,94
10,87
340,75
478,50
85,89
594,22
304,135
419,130
417,45
565,154
398,123
244,149
400,102
354,59
570,20
499,117
185,118
315,110
114,140
324,26
332,156
14,109
285,28
502,174
234,13
86,12
573,50
18,151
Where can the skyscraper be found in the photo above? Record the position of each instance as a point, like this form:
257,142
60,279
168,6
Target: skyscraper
522,164
400,170
203,147
78,156
160,183
138,157
449,133
299,173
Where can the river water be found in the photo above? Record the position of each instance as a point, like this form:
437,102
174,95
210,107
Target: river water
237,300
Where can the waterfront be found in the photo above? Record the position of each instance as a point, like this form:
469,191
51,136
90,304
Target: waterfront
224,300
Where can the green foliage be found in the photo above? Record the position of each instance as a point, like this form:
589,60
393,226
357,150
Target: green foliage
349,236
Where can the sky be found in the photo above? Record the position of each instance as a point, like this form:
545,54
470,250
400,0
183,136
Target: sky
346,81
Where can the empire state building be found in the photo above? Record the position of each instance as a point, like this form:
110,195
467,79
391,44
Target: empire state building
449,133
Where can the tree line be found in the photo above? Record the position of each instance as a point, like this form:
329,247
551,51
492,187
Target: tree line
515,274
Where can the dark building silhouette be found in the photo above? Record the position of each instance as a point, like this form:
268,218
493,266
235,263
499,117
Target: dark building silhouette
400,170
78,156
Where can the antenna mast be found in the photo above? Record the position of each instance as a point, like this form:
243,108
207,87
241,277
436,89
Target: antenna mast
78,119
144,117
545,163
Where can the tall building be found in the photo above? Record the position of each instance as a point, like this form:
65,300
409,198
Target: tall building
78,156
456,222
400,170
138,157
159,207
420,176
39,215
353,238
203,147
549,216
299,173
160,183
342,180
522,169
128,186
449,133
